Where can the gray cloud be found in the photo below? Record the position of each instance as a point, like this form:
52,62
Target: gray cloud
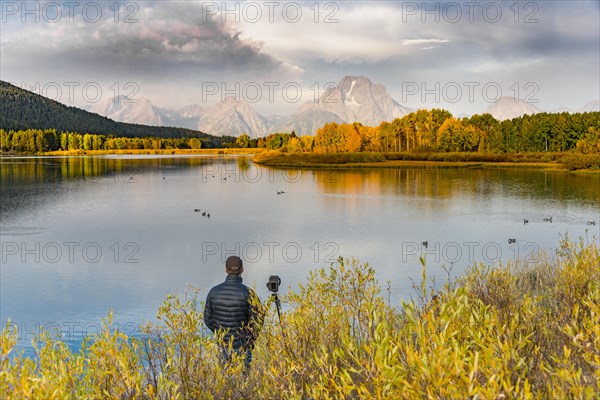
170,37
559,53
175,46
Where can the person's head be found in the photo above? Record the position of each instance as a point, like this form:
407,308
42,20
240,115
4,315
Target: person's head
234,265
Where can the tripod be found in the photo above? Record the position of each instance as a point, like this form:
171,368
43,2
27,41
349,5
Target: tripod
275,298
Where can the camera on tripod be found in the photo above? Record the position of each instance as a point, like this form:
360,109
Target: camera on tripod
273,284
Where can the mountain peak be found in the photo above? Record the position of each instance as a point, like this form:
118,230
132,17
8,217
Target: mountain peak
361,78
509,107
233,117
348,79
353,99
132,110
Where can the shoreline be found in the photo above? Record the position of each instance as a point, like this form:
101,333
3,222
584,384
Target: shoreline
378,160
275,159
245,151
422,164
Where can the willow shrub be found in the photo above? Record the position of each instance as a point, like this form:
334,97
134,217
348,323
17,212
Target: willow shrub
581,161
495,333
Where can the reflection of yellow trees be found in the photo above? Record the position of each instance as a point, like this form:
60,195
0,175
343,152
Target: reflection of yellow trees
80,167
69,168
14,172
243,163
451,183
376,182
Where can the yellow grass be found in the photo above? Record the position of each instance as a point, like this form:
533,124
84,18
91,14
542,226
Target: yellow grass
357,160
514,332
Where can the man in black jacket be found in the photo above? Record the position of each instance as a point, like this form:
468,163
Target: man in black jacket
234,308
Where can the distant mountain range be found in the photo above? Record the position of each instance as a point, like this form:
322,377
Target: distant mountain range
22,109
142,111
353,99
509,108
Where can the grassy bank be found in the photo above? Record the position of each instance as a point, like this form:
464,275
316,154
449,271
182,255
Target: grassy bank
554,161
511,332
152,151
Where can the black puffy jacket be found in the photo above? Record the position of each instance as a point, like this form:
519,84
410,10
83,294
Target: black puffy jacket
228,307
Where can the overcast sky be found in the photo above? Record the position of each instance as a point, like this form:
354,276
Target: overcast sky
454,55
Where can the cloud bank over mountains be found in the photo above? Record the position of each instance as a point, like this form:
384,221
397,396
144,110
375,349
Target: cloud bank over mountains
169,49
352,99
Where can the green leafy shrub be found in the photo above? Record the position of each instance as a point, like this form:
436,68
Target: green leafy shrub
581,161
518,331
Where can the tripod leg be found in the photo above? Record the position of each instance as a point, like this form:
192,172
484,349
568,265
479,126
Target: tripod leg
278,307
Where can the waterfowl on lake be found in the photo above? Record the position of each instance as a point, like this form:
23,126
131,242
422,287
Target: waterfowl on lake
204,214
425,244
548,219
512,241
525,221
591,222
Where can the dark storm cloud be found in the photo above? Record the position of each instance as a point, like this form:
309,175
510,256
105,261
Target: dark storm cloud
168,37
174,45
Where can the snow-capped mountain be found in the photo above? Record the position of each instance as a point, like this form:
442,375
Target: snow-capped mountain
142,111
135,111
232,117
353,99
509,107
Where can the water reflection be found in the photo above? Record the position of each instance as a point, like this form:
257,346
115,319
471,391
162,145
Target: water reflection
22,177
82,235
457,182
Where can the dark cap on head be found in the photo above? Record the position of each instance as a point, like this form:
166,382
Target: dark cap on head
233,265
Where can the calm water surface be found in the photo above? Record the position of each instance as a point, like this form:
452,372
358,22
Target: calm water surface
84,235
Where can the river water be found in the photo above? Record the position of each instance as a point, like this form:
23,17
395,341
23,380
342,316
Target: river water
84,235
